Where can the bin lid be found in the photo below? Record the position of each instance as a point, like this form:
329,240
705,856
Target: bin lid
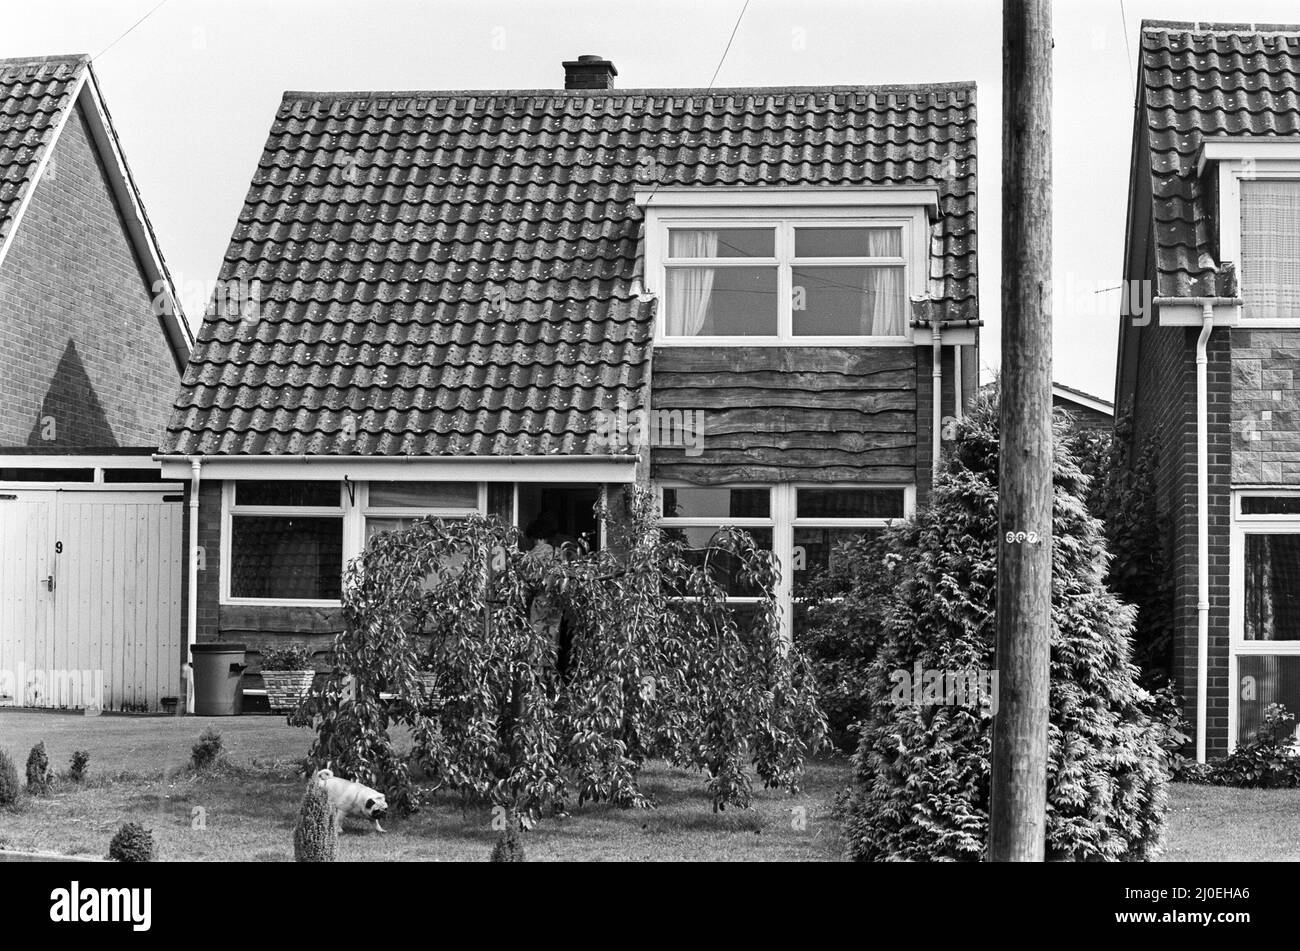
218,647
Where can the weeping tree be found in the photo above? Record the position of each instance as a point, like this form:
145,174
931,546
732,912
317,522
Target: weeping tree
922,767
656,663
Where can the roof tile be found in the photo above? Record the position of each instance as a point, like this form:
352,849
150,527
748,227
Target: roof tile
459,272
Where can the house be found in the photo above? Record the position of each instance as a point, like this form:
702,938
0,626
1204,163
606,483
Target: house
1213,220
92,345
517,301
1088,411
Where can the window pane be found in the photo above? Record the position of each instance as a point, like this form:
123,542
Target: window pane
1270,248
377,525
717,503
133,475
848,243
1270,505
286,557
288,494
1272,605
46,475
723,565
724,301
848,301
424,495
814,551
721,243
849,503
1273,679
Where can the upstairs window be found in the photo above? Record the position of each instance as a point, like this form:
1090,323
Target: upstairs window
786,280
1270,248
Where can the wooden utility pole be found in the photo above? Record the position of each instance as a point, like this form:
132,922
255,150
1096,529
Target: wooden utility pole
1017,820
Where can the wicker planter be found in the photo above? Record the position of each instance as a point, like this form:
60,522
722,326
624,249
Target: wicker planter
286,688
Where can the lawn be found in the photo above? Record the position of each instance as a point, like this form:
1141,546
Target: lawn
138,771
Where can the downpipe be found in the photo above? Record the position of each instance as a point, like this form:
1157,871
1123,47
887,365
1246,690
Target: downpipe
1202,529
192,609
936,378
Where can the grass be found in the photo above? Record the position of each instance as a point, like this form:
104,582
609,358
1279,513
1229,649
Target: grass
1220,824
138,771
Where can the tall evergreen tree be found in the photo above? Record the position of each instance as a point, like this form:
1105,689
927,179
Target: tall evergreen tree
922,768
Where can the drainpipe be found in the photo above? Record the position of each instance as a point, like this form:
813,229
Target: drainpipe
1207,305
192,621
957,409
1202,529
936,376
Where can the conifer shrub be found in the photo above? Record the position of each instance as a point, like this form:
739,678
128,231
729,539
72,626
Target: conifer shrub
316,835
40,778
10,790
132,843
921,770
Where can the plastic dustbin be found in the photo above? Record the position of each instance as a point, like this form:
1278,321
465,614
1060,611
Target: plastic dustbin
218,675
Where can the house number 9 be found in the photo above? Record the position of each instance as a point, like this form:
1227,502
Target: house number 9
58,548
1020,538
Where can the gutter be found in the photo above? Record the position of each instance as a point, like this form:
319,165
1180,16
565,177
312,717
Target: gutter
192,620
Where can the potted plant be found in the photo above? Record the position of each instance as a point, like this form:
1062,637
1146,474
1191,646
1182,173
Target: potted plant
288,674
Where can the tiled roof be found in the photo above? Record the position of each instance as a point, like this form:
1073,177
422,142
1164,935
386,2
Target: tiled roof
33,96
458,272
1198,80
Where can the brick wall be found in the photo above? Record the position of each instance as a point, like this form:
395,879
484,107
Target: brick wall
1164,409
77,317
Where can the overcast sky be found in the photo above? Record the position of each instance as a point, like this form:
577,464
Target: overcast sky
194,87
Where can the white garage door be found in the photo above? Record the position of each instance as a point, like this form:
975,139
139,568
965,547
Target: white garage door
90,597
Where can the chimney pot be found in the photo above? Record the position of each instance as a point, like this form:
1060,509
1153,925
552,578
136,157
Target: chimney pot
589,72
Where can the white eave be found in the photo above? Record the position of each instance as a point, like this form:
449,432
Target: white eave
86,94
1083,399
793,196
552,469
1240,148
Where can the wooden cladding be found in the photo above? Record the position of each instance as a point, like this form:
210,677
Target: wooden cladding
773,414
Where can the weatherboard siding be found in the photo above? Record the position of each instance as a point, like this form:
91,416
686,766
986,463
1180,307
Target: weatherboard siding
787,414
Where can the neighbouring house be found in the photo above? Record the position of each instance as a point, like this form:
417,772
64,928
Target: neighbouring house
762,302
1210,376
92,346
1088,411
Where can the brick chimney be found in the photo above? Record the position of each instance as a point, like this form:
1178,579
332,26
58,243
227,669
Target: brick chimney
589,72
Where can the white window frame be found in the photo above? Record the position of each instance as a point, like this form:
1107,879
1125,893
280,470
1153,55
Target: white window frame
783,498
705,521
1245,160
354,509
229,511
1241,526
912,219
396,511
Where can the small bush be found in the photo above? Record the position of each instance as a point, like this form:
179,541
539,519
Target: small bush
509,846
132,843
316,835
9,788
207,750
77,766
40,778
287,658
1268,760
